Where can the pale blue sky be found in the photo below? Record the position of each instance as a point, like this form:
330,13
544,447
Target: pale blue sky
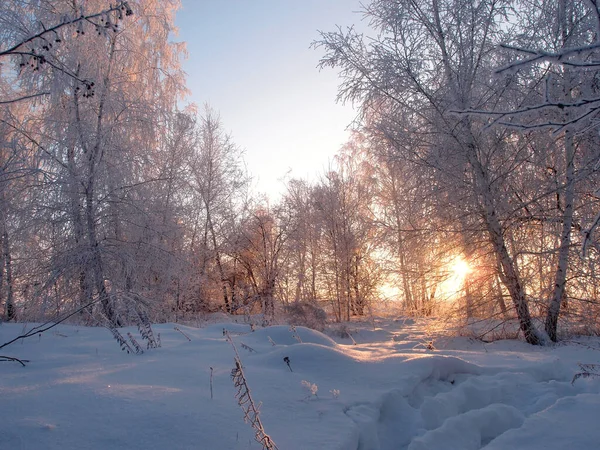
251,61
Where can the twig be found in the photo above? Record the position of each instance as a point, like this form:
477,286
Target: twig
10,358
46,326
247,347
187,337
251,411
53,29
587,371
295,334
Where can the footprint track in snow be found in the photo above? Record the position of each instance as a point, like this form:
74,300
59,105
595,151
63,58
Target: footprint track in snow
458,411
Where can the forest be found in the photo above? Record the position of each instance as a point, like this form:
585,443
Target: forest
468,189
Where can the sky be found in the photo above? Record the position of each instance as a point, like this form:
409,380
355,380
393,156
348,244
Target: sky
252,62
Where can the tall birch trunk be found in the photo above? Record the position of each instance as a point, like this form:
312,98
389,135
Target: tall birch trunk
508,270
560,276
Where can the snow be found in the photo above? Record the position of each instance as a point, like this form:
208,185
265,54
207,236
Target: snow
387,391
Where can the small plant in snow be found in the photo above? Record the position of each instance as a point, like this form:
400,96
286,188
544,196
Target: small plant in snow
587,371
136,346
250,409
335,393
295,334
247,347
186,336
427,345
145,329
286,360
120,339
310,388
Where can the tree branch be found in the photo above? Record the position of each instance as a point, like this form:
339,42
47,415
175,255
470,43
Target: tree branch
123,5
48,325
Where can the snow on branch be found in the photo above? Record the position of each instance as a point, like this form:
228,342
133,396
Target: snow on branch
36,50
119,8
559,57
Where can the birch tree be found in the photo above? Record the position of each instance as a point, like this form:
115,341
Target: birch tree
427,60
259,247
109,94
556,58
220,183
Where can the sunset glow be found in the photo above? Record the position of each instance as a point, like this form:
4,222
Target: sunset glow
458,269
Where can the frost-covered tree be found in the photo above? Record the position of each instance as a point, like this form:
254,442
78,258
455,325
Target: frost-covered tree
425,61
219,184
259,248
348,240
33,34
554,67
111,86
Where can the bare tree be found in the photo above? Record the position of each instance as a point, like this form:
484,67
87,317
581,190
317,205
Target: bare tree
426,60
259,248
220,183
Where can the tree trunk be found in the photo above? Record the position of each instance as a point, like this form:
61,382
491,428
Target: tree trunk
95,155
218,260
85,288
560,279
9,308
508,270
500,294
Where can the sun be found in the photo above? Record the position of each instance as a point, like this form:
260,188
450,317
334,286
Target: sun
459,268
457,271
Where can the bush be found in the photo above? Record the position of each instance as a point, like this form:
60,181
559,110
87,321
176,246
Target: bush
341,330
306,315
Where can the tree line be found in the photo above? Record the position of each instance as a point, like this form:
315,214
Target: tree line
476,139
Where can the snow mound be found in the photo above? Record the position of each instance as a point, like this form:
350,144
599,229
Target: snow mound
283,335
367,336
234,328
310,359
471,430
572,422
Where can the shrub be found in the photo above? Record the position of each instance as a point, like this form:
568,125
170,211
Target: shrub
306,315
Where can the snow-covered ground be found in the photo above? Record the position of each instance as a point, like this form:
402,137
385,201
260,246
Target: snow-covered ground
80,391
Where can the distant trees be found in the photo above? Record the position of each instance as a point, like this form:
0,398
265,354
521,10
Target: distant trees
219,188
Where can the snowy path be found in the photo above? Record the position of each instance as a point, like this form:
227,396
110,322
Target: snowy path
529,404
81,392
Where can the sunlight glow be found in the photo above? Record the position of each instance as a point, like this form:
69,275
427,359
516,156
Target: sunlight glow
458,269
389,291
